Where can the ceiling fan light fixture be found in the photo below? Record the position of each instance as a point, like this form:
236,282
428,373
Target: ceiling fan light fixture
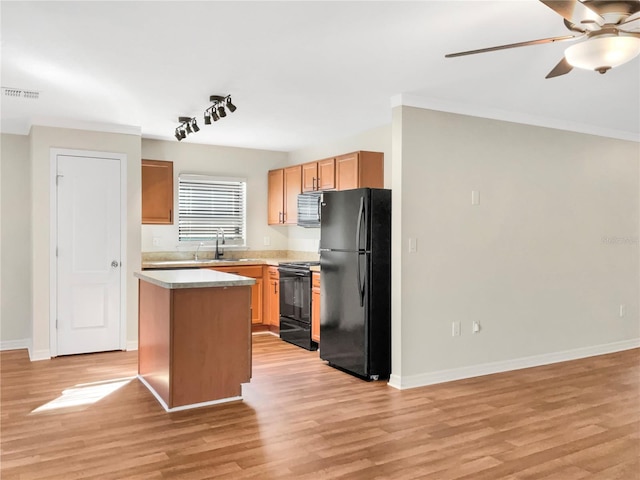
603,52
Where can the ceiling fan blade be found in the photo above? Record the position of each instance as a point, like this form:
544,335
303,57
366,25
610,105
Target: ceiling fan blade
630,25
513,45
562,68
575,12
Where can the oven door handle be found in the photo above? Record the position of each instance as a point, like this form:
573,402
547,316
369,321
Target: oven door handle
293,272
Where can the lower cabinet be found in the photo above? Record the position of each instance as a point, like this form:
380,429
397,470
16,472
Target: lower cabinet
272,297
256,289
315,307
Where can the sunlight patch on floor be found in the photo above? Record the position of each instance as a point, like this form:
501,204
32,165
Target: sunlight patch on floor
84,394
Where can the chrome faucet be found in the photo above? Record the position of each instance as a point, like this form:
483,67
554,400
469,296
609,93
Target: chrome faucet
218,252
197,250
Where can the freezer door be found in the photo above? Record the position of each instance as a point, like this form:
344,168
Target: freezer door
343,313
344,216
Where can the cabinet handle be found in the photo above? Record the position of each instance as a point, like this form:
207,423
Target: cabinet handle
280,217
170,215
275,287
314,184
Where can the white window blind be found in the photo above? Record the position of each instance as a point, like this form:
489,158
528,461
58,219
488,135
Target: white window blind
206,204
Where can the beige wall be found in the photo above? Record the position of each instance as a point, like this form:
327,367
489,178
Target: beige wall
42,139
15,254
218,161
543,262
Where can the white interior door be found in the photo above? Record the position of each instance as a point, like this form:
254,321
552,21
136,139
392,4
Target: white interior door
88,254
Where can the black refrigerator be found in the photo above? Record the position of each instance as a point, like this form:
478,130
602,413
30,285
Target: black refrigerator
355,266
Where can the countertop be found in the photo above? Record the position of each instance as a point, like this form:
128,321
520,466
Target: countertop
167,264
193,278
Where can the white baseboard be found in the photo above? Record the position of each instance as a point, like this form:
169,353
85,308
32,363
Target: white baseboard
184,407
132,345
15,344
36,355
441,376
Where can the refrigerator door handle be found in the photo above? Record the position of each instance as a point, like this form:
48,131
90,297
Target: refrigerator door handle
358,231
358,266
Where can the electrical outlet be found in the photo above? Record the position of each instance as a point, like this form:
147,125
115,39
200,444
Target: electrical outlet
455,329
475,328
623,310
156,241
266,241
475,197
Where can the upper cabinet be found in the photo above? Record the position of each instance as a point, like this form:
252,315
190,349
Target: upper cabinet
157,192
353,170
284,186
360,169
320,175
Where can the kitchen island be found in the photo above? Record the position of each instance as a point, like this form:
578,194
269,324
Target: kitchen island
194,336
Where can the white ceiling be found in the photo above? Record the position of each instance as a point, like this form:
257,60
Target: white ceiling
300,72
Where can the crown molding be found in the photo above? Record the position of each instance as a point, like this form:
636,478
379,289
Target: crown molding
84,125
509,116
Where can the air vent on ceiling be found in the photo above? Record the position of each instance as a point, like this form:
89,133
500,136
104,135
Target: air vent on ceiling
20,93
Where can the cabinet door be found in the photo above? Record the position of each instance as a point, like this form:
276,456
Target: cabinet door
315,307
327,174
157,192
275,201
292,188
310,177
347,168
273,294
256,301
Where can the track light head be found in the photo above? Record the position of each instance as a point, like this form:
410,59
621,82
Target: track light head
183,134
188,128
178,136
221,111
207,118
214,115
230,106
194,125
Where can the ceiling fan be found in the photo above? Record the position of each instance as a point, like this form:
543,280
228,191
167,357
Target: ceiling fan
611,28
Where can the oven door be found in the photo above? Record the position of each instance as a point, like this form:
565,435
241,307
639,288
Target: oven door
295,295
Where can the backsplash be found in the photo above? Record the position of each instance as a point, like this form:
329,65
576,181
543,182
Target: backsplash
230,255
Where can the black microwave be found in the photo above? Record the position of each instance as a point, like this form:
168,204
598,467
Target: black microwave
309,209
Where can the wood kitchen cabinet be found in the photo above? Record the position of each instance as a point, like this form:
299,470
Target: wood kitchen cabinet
318,176
157,192
284,186
256,289
315,307
360,169
272,296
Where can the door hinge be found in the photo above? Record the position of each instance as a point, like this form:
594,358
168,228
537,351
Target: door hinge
58,178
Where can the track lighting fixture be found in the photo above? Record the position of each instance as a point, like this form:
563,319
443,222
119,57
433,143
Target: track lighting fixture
187,125
214,112
217,110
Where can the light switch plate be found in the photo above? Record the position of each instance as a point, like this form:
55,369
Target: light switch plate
413,245
475,197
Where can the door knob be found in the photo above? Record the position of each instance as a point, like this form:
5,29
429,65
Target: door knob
115,264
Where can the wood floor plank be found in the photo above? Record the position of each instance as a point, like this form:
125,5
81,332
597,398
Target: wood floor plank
301,419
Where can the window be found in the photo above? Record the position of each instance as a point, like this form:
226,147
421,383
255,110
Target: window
206,204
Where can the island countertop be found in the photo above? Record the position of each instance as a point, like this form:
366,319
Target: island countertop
193,278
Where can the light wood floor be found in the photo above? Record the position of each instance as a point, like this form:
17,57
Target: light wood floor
302,419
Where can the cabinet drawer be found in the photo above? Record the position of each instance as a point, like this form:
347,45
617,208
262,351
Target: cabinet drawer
274,274
253,271
315,280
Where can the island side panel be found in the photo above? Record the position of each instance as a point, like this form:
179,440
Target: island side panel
154,310
211,350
